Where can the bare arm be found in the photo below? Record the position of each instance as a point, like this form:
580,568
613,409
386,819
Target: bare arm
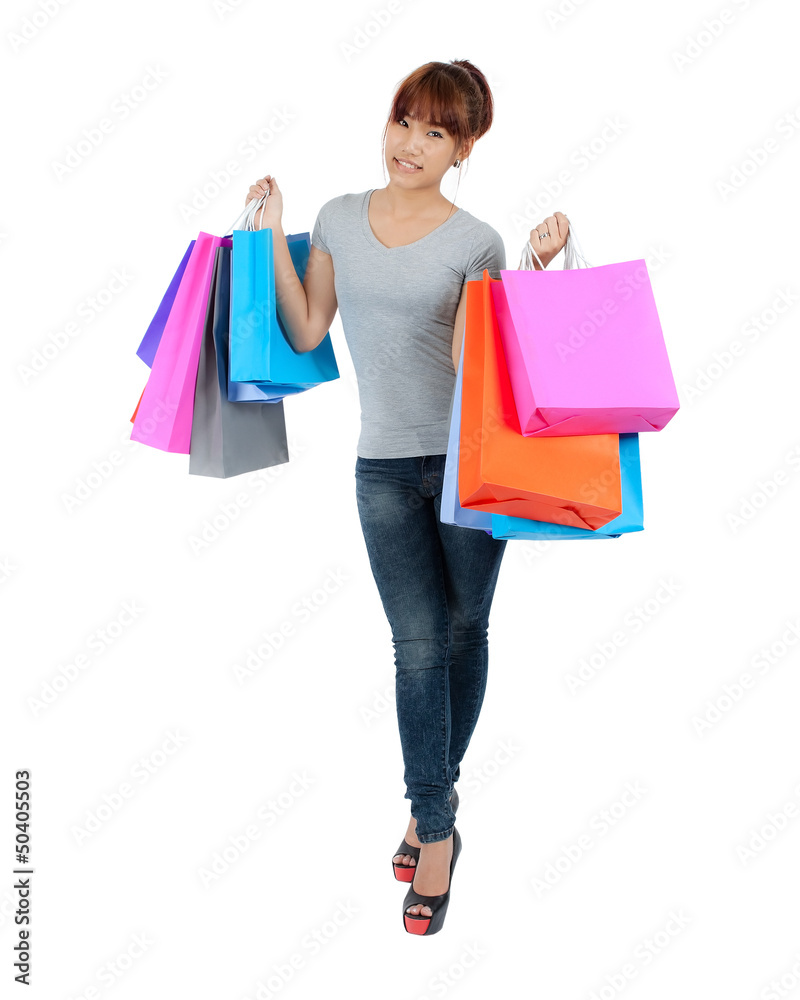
458,326
306,310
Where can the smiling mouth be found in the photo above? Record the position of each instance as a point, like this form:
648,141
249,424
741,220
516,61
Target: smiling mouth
406,163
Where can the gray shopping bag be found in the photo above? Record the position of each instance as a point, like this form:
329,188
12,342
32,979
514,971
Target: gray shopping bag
229,438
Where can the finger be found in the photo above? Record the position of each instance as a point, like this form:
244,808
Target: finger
551,224
539,240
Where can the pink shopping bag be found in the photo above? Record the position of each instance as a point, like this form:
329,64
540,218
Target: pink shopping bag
163,417
584,349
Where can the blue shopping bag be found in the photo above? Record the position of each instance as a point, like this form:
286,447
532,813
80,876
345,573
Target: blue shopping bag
260,351
261,392
451,511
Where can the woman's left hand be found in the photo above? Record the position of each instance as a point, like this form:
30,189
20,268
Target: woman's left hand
556,226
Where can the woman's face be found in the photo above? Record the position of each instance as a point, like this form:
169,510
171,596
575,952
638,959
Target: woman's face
418,153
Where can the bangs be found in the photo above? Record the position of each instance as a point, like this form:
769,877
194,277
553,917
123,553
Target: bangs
432,98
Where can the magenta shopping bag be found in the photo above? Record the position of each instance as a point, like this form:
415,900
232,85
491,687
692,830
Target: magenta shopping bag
584,348
164,415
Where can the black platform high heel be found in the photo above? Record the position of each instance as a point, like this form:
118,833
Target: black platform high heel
405,873
416,923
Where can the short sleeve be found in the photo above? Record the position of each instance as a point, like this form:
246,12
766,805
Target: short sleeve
318,236
487,253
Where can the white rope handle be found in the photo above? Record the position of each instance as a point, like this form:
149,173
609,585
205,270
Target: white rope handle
571,253
249,214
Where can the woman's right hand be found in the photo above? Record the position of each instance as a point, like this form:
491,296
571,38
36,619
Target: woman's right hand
273,209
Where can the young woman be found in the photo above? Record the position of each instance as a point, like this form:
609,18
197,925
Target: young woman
395,262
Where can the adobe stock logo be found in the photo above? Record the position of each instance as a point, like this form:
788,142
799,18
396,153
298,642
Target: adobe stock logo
634,621
594,319
87,310
223,175
363,36
34,23
121,108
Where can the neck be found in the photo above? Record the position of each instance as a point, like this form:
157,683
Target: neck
403,201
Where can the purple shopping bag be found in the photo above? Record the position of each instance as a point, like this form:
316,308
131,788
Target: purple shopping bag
149,345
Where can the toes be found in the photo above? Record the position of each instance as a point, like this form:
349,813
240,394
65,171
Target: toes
420,911
404,859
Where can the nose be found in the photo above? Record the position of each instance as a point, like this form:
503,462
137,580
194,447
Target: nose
413,143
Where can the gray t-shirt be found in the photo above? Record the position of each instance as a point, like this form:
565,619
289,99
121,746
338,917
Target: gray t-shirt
398,306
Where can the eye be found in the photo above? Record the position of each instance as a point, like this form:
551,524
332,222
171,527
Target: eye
402,121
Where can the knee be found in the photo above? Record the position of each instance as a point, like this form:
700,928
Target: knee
420,654
474,632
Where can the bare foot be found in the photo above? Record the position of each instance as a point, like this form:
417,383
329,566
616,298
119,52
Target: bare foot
432,877
410,838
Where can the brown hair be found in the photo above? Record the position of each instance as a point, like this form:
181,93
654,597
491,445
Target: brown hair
455,95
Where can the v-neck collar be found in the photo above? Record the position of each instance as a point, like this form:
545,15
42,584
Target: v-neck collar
373,239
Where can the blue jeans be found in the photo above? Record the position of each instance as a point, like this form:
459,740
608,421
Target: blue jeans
436,582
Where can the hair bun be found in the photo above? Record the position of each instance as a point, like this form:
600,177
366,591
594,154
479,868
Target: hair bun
485,91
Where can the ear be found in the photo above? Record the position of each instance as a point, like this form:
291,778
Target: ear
466,148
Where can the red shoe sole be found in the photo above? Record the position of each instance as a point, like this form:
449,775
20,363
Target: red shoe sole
404,873
416,925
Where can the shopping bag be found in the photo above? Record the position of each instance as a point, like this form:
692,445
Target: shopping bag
584,348
228,439
254,316
261,392
299,249
502,526
260,351
451,511
149,345
631,519
573,480
164,415
133,417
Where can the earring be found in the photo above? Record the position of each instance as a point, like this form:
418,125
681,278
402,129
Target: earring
457,163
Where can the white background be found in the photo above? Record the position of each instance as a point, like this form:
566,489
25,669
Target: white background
544,761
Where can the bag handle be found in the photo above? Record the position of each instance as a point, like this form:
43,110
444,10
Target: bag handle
571,253
249,214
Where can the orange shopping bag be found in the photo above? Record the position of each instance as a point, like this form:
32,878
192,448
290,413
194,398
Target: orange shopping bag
571,480
133,418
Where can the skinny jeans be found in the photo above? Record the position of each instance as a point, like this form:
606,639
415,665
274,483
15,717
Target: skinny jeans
436,583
